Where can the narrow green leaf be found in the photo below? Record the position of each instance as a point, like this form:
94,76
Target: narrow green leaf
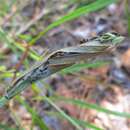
79,67
91,106
37,119
78,121
98,4
86,124
63,114
13,45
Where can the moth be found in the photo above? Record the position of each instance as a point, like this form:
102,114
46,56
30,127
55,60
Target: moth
63,58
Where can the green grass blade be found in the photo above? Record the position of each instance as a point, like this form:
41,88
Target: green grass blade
91,106
36,118
86,124
63,114
98,4
78,121
4,38
13,45
79,67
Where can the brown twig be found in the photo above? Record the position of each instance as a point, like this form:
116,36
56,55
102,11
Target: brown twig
23,57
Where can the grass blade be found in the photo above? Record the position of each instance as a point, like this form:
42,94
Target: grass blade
98,4
79,67
91,106
13,45
37,119
63,114
78,121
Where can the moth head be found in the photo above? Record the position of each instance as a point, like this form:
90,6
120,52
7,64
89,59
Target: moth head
112,37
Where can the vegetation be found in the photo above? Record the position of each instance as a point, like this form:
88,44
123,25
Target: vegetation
19,44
